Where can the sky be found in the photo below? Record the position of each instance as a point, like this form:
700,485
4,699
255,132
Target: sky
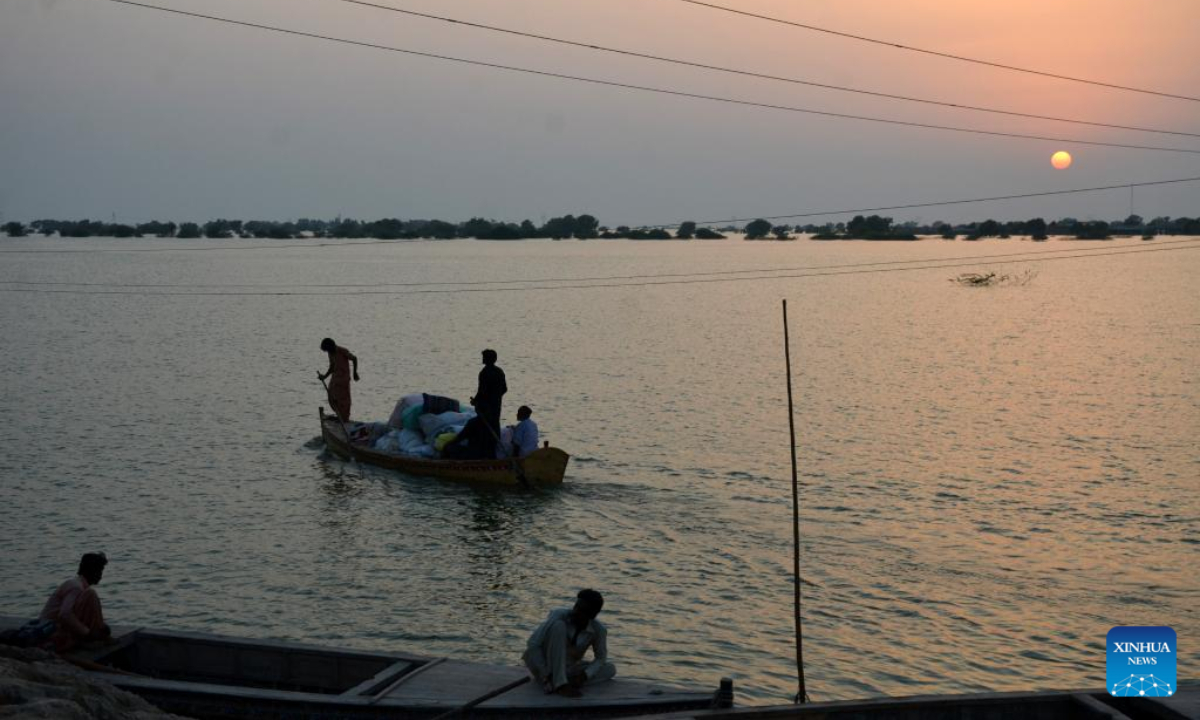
110,110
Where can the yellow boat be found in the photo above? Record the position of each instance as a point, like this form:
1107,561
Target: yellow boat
544,466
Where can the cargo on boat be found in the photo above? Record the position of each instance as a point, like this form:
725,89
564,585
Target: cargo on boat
544,466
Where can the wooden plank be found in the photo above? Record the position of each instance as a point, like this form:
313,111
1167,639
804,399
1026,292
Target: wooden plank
406,678
401,669
453,683
283,645
455,712
133,684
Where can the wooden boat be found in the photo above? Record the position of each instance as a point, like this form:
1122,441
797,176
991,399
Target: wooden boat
1078,704
544,466
213,676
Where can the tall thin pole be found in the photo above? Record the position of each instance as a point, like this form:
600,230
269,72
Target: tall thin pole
802,692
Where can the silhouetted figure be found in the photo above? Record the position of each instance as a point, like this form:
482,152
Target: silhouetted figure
75,606
487,401
554,653
473,442
339,385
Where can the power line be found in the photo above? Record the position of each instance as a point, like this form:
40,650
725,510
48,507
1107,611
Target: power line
762,76
602,278
661,91
900,46
817,213
698,281
910,206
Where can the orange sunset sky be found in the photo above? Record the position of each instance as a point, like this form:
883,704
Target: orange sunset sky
115,109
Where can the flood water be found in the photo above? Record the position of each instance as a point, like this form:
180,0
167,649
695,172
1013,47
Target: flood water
991,477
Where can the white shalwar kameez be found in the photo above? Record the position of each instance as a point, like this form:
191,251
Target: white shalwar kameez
555,651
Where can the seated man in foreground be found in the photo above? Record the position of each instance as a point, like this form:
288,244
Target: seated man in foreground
554,653
75,606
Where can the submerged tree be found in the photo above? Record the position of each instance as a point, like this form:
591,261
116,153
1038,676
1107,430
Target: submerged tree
757,229
156,228
14,229
1092,230
558,227
476,228
586,227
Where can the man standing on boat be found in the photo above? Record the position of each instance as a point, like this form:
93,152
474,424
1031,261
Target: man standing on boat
487,401
554,653
339,386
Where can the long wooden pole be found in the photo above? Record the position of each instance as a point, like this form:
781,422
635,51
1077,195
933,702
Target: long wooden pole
802,692
483,698
349,442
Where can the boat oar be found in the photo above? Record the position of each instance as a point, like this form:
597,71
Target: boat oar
482,698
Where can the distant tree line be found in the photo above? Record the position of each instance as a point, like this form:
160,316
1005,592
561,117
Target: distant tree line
875,227
584,227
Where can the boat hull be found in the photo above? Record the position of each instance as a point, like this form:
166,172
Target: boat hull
202,675
544,466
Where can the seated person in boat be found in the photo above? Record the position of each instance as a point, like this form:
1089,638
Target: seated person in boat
75,606
525,434
554,653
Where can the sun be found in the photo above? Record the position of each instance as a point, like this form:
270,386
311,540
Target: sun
1061,160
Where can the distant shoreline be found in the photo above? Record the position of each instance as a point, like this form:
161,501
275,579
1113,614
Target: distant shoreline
588,227
733,236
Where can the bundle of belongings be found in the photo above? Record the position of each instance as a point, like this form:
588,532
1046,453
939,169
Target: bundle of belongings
421,425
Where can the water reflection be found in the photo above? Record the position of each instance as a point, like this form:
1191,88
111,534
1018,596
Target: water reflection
500,525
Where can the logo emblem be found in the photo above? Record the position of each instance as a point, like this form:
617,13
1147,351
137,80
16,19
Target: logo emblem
1141,661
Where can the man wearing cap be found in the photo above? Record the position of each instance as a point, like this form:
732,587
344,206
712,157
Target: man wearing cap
75,606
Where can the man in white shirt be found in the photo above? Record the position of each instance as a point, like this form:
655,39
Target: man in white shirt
554,653
525,434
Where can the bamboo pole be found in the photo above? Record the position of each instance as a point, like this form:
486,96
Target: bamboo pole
802,691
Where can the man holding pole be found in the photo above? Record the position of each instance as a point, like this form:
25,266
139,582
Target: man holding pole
340,360
486,400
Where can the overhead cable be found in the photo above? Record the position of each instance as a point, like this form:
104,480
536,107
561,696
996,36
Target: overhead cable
661,91
940,203
950,56
762,76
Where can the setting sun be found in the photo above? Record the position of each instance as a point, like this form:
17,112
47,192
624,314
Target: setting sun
1061,160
